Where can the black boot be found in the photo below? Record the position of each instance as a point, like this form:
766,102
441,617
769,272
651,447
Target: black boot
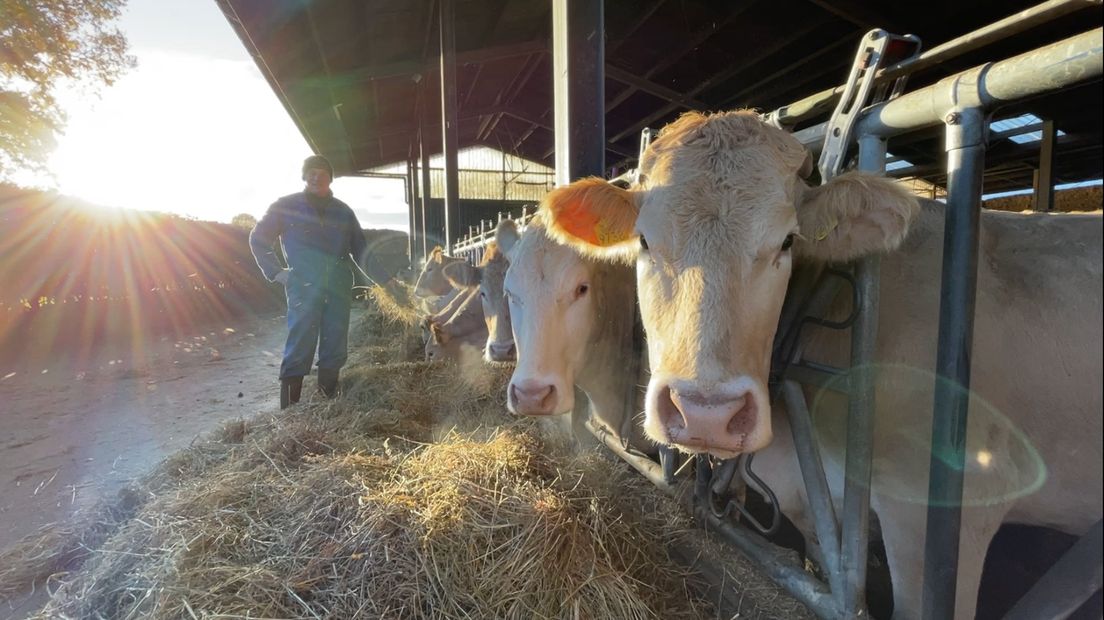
291,388
327,381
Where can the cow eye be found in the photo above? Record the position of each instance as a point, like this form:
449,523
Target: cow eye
581,290
643,243
787,243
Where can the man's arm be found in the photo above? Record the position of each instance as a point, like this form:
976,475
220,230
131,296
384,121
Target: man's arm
262,242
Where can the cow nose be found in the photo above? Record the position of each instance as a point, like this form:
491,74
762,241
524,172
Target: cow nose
532,397
501,352
702,421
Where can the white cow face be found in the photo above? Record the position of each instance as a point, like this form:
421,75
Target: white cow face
715,223
548,288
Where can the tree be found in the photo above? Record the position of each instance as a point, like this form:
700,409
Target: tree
244,220
45,45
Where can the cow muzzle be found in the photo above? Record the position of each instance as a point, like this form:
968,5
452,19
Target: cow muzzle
533,397
501,351
726,420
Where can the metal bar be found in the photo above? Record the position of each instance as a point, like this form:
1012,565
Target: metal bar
824,101
773,562
816,484
965,165
650,469
860,416
578,33
1044,182
427,192
1077,575
411,205
1046,69
448,120
808,373
1059,65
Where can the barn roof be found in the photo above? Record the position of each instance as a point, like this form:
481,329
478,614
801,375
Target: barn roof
355,75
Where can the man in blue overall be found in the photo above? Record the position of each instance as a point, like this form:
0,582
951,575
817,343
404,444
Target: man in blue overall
322,243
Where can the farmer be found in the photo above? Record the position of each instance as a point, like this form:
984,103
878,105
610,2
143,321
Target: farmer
322,243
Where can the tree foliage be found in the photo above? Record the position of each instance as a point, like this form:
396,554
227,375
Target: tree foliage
46,45
244,220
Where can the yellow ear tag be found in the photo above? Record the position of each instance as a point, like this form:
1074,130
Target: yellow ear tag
823,233
607,237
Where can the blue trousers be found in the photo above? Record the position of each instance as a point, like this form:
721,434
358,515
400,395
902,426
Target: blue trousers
318,317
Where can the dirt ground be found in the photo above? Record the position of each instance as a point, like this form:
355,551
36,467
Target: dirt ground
75,431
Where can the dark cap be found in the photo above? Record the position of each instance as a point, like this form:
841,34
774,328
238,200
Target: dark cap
317,162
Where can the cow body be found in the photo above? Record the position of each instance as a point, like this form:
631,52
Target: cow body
715,225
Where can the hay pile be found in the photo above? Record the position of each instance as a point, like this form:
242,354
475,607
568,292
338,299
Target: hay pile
413,495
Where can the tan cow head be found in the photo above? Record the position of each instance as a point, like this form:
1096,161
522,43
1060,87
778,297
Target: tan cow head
432,282
559,301
715,222
465,328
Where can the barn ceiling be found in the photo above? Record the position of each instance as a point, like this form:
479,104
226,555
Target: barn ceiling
356,76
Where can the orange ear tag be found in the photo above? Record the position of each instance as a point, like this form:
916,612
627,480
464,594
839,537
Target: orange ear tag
606,236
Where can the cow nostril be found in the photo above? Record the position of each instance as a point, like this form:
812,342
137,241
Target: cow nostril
669,414
549,399
744,416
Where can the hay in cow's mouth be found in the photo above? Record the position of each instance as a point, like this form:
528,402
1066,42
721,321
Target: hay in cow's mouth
413,495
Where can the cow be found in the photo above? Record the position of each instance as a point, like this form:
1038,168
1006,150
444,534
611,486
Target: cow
464,328
432,288
715,223
489,277
573,326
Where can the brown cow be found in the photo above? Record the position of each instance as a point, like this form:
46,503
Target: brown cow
715,224
464,328
432,288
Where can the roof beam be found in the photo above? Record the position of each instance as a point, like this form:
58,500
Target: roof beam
717,78
857,14
691,43
639,83
418,67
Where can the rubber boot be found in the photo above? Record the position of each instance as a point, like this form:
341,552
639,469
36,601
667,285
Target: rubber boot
291,388
327,381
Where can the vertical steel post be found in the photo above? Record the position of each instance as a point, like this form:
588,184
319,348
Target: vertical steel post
448,121
415,240
578,70
1044,175
965,132
427,193
855,536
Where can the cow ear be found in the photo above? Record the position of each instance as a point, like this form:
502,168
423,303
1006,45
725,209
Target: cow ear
440,334
462,275
593,216
852,216
506,234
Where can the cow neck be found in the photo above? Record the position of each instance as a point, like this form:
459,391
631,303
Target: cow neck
605,377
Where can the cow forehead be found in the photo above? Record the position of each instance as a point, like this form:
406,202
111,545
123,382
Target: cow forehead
541,262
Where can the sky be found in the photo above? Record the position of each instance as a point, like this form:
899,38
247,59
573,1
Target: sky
194,129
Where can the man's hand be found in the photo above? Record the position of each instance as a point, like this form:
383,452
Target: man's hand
282,277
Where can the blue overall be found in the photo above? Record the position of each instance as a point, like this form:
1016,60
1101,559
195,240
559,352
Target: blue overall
317,241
